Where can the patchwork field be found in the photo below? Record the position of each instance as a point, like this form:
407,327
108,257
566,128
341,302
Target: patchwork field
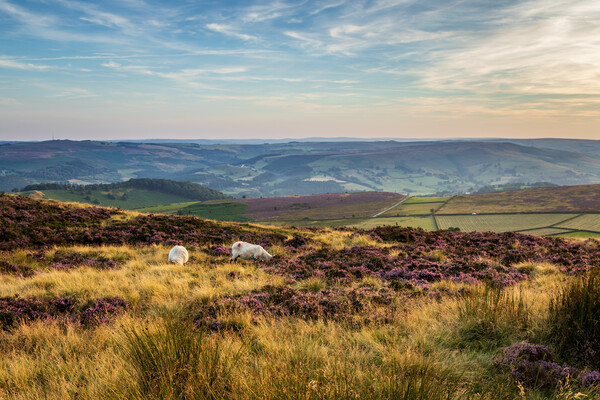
90,309
329,206
584,198
499,222
589,222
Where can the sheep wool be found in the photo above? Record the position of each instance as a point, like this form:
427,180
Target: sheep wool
249,251
178,255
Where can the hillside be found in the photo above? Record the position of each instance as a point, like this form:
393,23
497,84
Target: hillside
129,195
288,209
566,211
89,308
584,198
297,168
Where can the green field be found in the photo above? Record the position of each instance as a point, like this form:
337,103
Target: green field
500,222
547,232
413,222
581,235
586,222
227,211
136,198
421,200
412,209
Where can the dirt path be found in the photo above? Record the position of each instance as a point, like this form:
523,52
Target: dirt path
394,206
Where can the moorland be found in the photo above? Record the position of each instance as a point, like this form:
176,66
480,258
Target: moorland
89,308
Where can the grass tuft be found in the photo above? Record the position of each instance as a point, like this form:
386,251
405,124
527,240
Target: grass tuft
176,361
489,315
574,320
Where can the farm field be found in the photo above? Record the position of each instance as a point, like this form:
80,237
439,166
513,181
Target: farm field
586,222
327,206
581,235
226,211
423,222
547,232
91,309
413,209
499,222
584,198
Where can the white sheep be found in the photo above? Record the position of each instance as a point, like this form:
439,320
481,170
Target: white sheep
249,251
178,255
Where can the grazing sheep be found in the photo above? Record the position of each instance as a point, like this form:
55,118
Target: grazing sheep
249,251
178,255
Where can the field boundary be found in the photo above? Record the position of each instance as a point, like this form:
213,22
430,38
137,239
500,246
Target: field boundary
392,207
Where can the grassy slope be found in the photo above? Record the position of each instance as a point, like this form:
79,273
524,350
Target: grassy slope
136,198
433,347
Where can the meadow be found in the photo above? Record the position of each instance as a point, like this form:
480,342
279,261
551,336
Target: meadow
89,308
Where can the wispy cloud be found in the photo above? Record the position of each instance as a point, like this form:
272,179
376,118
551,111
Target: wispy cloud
9,63
74,93
541,47
229,31
188,77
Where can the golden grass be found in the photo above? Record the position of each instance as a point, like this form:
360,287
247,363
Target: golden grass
146,279
283,357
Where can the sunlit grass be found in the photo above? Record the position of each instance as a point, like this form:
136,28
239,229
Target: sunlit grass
437,344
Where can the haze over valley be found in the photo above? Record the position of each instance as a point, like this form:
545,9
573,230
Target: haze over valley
295,168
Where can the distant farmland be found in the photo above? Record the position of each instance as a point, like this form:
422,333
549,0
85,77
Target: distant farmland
584,198
565,211
499,222
307,207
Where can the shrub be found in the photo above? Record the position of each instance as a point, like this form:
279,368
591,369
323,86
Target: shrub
533,365
574,320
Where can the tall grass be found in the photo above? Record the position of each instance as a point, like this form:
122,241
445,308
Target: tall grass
574,320
176,361
489,316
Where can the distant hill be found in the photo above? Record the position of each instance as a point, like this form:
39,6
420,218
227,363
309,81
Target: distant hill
132,194
301,168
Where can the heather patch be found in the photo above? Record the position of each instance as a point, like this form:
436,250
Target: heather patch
506,248
219,251
64,260
535,365
29,223
411,267
15,309
10,268
358,304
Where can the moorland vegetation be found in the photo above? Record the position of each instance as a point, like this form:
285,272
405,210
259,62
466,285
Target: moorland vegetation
90,308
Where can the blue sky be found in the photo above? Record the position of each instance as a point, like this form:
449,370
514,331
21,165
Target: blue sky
288,69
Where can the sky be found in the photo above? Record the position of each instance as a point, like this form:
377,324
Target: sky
209,69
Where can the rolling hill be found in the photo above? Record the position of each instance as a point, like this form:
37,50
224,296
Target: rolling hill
297,168
129,195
